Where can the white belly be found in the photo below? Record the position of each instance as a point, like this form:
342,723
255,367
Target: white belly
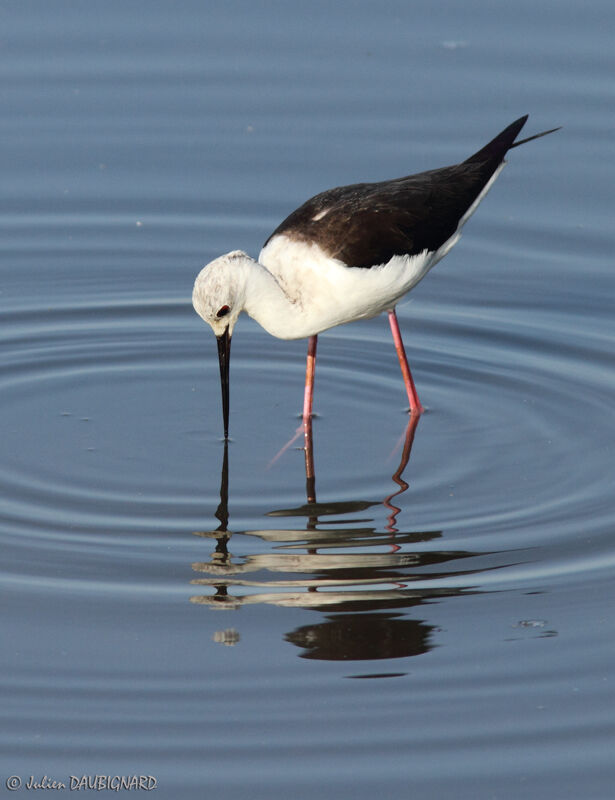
326,293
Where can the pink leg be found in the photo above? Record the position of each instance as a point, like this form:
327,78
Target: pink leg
306,425
307,419
309,380
413,398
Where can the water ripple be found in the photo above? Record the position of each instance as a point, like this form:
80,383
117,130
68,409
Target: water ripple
91,383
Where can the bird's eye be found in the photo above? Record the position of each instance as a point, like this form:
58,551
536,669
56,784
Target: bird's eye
222,312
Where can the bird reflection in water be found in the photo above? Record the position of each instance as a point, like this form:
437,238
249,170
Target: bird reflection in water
335,563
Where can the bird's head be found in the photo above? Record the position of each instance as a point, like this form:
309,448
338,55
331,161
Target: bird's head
219,290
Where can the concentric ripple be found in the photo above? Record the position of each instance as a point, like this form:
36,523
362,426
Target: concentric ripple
112,422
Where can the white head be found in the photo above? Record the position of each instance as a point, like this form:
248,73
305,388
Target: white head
218,295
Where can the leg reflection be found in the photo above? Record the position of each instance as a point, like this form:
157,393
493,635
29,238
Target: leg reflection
397,475
310,473
310,477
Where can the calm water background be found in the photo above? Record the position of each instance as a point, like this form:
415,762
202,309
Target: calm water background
445,631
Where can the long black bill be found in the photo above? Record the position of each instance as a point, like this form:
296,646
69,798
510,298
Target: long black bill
224,357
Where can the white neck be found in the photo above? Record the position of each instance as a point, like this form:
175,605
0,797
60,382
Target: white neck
273,309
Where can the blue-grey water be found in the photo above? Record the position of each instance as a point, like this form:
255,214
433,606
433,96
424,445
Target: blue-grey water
434,617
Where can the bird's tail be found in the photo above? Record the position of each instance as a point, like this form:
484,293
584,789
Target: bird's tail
535,136
493,153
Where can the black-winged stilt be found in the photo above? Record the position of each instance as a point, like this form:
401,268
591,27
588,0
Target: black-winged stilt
348,253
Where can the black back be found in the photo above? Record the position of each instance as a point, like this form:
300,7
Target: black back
368,223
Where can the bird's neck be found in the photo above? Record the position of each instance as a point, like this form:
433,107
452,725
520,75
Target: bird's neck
269,304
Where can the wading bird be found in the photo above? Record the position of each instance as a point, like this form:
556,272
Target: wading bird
348,253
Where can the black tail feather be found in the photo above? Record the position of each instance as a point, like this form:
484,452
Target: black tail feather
535,136
495,150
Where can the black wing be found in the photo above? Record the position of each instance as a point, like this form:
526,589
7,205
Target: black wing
368,223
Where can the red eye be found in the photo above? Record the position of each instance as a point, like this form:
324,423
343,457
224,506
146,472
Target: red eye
222,312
